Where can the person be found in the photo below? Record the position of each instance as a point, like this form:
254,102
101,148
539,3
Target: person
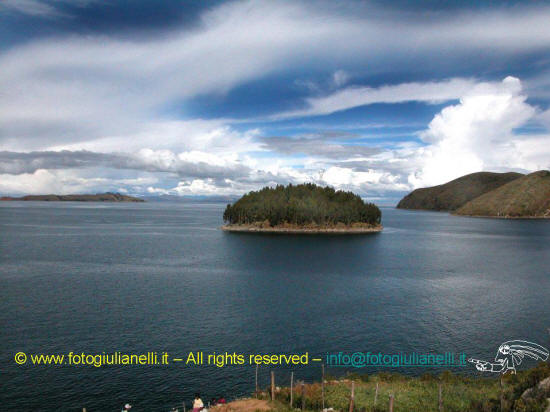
213,402
126,407
197,403
221,400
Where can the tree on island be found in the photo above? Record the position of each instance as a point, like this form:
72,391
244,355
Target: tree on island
300,205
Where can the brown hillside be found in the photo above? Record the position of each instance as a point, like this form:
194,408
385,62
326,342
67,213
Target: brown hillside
454,194
528,196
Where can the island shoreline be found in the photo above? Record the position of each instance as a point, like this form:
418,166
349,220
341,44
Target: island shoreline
302,231
452,213
503,217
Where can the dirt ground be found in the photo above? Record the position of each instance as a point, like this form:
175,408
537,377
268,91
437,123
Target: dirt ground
243,405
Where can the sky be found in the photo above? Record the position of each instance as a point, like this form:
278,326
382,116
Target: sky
212,98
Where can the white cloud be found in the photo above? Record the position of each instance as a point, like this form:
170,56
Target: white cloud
339,176
201,186
74,89
533,152
110,96
42,8
52,181
365,182
478,134
350,97
340,78
32,8
213,136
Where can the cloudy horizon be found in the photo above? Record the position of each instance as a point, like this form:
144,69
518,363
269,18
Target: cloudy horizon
219,98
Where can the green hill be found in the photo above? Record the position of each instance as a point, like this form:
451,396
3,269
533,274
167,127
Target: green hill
305,205
454,194
528,196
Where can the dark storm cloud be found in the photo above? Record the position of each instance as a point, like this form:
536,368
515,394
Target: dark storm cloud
19,163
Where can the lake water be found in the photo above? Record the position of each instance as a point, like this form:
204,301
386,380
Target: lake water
134,278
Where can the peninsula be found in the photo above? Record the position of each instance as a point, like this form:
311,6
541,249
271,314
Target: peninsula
526,197
305,208
485,194
456,193
99,197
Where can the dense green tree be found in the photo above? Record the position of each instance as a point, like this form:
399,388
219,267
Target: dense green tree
301,205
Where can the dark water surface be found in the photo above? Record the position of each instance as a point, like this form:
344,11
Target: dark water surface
161,277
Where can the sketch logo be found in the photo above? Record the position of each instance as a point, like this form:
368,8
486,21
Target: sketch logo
510,354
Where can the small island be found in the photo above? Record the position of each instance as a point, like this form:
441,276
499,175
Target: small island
305,208
99,197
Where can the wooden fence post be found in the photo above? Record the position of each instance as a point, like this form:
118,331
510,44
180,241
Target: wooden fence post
376,394
303,397
323,385
352,396
272,385
256,391
391,404
440,398
291,388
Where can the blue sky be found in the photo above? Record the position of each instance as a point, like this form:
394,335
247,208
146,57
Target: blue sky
219,98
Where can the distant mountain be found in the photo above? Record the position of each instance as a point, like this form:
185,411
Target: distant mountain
528,196
456,193
100,197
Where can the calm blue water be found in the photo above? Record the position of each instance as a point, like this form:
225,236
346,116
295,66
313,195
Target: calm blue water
162,277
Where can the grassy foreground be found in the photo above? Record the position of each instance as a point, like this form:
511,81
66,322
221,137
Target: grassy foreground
411,394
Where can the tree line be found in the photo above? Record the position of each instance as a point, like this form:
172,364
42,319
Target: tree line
300,205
